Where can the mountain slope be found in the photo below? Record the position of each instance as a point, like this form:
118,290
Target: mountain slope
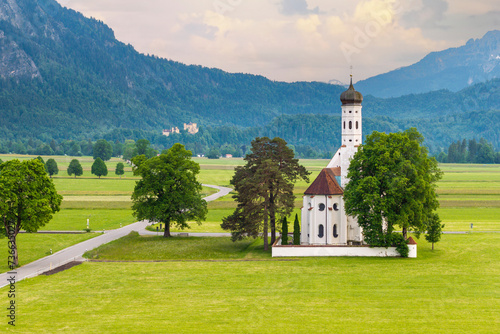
71,72
453,69
64,76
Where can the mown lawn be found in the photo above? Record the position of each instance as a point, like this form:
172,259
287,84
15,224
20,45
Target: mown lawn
454,289
145,248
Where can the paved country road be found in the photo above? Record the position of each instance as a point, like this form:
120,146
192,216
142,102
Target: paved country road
75,252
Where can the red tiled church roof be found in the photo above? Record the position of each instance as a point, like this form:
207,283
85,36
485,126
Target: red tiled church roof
325,183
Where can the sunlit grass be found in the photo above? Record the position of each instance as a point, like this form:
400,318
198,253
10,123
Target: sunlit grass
449,290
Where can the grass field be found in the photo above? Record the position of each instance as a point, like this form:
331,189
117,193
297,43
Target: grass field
32,247
469,194
454,289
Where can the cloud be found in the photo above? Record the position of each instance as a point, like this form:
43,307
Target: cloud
430,13
297,7
202,30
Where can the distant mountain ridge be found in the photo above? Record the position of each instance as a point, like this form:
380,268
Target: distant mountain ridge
453,69
64,76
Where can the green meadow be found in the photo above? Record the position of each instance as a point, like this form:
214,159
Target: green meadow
237,288
208,285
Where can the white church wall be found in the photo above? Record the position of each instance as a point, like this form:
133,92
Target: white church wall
335,251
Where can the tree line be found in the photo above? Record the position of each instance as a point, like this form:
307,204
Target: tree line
470,151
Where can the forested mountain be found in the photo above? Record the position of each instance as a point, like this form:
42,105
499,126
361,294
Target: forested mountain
453,69
64,76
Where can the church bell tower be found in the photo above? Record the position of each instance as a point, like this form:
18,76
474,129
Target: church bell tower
351,128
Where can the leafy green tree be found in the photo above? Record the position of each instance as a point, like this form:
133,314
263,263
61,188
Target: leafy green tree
213,153
168,191
28,199
120,169
392,183
1,161
75,150
142,146
75,168
296,231
51,167
103,150
434,230
284,231
99,168
39,158
264,187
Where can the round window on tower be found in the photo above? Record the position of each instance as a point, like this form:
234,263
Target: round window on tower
321,207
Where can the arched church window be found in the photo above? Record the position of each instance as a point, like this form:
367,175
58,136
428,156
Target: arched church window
357,125
344,125
335,234
336,207
321,231
350,125
321,207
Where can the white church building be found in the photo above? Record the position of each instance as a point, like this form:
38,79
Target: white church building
324,221
326,229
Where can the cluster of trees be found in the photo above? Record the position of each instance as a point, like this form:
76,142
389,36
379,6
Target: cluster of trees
470,151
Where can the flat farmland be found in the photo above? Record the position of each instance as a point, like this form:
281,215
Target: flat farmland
468,194
236,288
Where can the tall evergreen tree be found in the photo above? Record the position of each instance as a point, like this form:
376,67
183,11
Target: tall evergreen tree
284,231
264,187
296,230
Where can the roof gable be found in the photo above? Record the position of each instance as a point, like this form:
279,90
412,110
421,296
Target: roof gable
325,183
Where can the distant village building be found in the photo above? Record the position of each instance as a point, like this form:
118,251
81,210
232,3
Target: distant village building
229,156
191,128
168,132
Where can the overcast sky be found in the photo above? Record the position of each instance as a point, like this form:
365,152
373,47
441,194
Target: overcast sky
295,40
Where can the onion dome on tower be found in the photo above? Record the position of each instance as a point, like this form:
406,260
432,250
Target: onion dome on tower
351,96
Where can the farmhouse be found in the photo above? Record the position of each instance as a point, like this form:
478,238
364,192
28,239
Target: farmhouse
326,229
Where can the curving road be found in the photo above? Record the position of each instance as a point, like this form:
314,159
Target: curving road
75,252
